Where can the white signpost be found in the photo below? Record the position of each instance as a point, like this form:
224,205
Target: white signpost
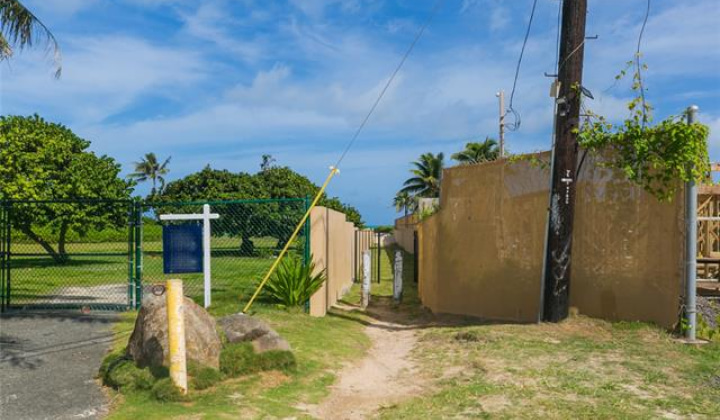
206,216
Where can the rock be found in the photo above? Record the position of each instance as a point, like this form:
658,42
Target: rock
269,342
241,327
148,345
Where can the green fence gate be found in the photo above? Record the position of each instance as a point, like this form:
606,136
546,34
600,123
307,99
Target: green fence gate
105,254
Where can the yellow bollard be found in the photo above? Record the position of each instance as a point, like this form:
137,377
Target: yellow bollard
176,334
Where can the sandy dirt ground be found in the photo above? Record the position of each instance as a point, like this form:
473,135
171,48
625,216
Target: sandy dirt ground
385,376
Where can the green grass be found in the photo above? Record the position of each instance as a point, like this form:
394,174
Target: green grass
581,368
320,345
36,277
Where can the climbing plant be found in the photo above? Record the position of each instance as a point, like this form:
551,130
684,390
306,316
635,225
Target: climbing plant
656,157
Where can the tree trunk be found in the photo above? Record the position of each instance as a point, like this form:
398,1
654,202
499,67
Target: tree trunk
247,247
43,243
61,240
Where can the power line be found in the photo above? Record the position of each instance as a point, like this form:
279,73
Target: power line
637,61
515,125
419,34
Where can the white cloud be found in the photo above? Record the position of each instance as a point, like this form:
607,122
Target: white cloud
101,76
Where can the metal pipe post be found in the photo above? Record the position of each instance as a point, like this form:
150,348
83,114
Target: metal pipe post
691,246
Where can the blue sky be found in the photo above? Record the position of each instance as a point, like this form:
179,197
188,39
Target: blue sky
222,82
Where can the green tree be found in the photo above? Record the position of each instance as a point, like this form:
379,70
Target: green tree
247,220
427,174
40,160
476,152
150,168
404,202
20,28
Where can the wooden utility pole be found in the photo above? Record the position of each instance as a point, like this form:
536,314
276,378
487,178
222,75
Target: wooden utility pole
556,286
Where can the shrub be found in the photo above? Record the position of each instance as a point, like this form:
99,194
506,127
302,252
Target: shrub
119,372
293,283
240,359
202,377
165,390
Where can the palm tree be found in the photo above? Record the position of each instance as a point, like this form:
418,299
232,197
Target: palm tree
405,202
21,28
476,152
149,168
428,171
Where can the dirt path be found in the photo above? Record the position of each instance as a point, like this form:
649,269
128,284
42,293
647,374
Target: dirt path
385,376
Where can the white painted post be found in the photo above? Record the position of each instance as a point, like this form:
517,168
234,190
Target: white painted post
398,279
206,216
366,279
206,253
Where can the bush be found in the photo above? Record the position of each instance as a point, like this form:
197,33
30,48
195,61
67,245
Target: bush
119,372
240,359
293,283
165,390
202,377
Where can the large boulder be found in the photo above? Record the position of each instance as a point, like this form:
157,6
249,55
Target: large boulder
240,327
148,345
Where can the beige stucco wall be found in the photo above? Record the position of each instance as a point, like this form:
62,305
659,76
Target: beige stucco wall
482,253
404,232
628,250
332,245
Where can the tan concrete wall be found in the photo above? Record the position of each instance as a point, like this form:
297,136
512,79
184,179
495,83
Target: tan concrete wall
628,250
332,245
404,232
482,253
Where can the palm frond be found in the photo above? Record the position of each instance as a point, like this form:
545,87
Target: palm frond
20,27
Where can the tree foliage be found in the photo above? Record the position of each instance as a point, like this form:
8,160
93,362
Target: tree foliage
40,160
404,202
247,220
476,152
149,168
20,28
427,172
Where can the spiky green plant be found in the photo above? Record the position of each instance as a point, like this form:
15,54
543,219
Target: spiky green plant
294,282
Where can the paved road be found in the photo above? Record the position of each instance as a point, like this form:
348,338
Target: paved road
48,362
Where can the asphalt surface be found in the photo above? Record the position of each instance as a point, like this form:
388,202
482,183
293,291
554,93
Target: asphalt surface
48,362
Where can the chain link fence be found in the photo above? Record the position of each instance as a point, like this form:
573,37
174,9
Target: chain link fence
105,254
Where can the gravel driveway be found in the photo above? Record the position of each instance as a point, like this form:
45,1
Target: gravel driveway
48,361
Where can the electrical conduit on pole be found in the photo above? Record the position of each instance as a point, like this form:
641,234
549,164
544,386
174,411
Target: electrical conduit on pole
691,245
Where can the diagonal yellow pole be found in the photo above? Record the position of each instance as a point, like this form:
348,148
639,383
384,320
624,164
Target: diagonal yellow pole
333,171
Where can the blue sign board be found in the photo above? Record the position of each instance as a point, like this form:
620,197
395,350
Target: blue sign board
182,248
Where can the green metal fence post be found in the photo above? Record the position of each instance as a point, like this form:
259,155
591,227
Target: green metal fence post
8,254
138,253
130,256
2,256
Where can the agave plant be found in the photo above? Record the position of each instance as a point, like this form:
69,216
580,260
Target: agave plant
293,283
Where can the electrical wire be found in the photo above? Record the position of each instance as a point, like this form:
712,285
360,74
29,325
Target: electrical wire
516,124
419,34
637,62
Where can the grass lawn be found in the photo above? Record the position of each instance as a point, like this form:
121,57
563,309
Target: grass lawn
321,345
580,368
35,278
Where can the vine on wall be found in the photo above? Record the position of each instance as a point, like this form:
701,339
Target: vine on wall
659,157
